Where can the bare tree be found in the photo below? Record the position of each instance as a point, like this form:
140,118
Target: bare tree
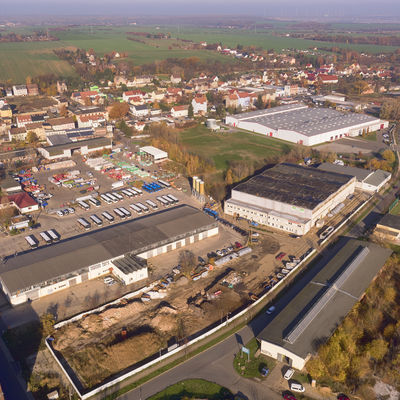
187,261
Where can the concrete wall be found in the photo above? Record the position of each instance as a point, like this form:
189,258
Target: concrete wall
132,277
278,352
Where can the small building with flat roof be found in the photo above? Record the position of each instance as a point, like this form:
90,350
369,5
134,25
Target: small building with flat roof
297,123
388,228
153,154
65,150
311,312
366,179
289,197
120,249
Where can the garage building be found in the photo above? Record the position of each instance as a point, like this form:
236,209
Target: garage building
153,154
120,249
313,313
289,197
297,123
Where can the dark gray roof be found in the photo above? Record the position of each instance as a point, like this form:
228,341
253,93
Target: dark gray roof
314,285
359,173
91,143
135,236
129,264
391,221
294,184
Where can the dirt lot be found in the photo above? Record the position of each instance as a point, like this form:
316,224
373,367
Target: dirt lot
96,348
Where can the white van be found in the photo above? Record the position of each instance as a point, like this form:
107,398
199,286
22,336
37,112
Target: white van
297,387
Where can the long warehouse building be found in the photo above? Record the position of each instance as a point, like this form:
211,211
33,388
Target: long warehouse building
310,312
297,123
121,249
289,197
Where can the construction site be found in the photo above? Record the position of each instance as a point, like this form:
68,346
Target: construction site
105,343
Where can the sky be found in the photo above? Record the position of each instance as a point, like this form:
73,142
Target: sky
264,8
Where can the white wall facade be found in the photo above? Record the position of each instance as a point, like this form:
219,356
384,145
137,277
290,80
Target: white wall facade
298,137
100,269
278,353
284,216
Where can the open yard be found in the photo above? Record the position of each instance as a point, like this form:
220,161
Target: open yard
223,147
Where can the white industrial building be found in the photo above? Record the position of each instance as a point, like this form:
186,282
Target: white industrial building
366,179
289,197
305,319
120,249
297,123
154,154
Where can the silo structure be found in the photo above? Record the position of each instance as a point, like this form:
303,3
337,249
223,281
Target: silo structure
194,179
198,180
201,188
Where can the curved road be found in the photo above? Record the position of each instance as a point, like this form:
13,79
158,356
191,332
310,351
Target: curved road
215,365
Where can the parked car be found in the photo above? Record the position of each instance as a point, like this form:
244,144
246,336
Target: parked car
289,396
255,234
288,374
280,255
271,310
71,210
238,245
297,387
342,397
60,213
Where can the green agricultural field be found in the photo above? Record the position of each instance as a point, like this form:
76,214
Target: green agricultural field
19,60
223,147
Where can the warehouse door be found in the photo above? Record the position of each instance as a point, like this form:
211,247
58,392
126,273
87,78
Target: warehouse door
85,276
72,282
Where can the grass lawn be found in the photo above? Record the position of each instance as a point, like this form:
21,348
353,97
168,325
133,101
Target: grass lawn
252,368
371,137
194,388
223,147
396,209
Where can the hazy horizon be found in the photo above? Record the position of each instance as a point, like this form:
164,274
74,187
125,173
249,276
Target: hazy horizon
262,8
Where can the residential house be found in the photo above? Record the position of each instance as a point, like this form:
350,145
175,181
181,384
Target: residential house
175,79
90,120
20,90
179,111
23,202
62,87
139,126
127,96
37,128
22,120
199,104
140,111
61,124
5,110
33,89
18,134
328,79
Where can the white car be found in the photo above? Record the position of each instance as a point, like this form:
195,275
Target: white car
271,310
288,374
297,387
71,210
60,213
255,234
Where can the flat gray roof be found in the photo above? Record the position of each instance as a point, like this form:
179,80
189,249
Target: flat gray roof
71,255
293,184
391,221
91,143
374,178
308,121
314,285
359,173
